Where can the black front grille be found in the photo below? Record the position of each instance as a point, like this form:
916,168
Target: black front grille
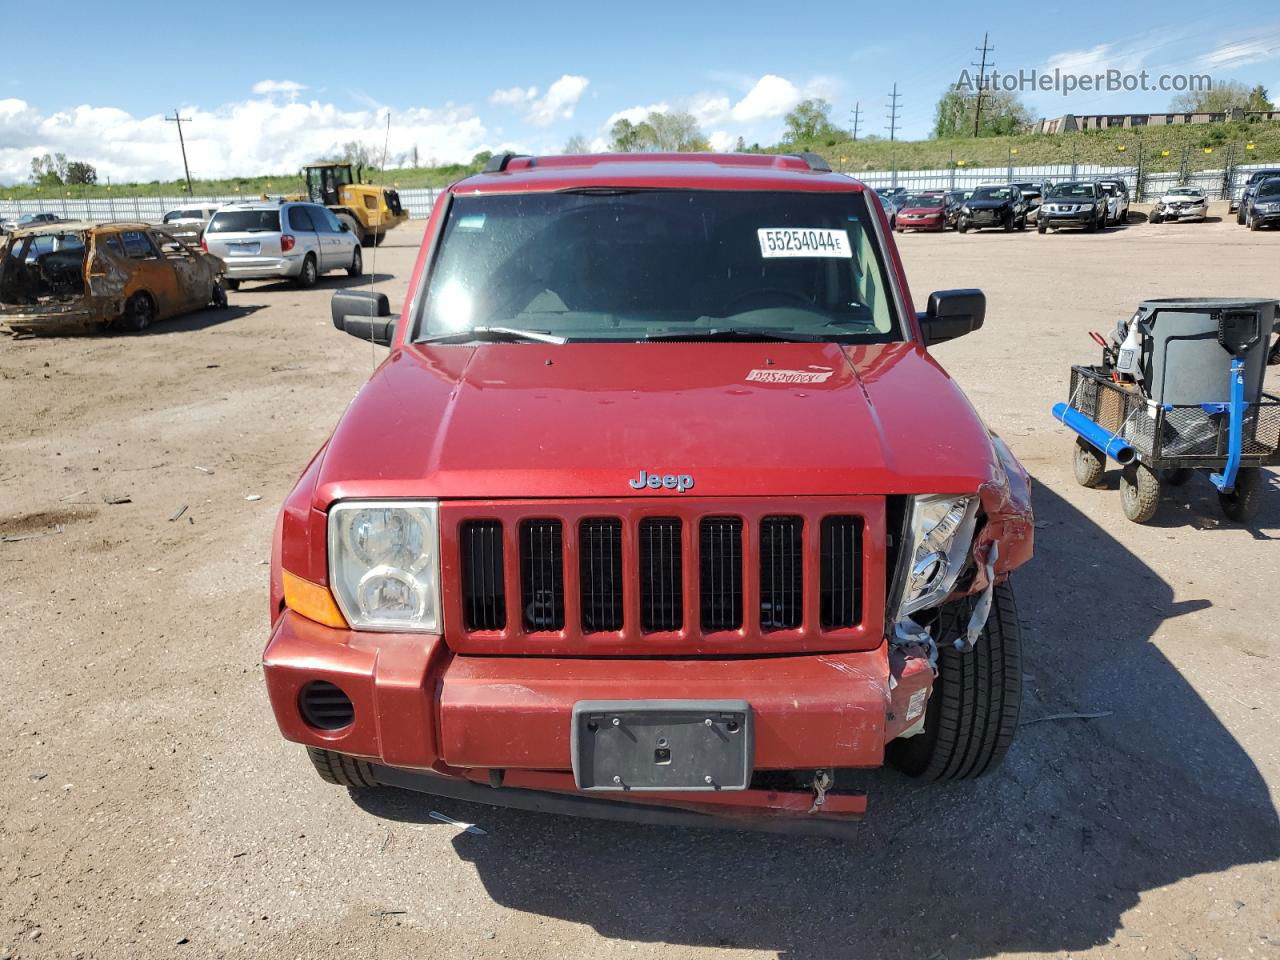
600,570
542,575
661,583
325,707
484,598
781,573
840,597
720,553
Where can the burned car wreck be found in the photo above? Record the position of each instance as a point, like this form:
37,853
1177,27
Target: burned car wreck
83,277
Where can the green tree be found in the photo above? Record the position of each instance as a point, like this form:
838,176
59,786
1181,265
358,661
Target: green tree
577,144
80,172
1002,113
49,170
1225,96
671,132
481,158
809,122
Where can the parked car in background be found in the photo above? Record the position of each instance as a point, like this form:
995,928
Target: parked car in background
1033,193
1264,205
268,240
955,201
1237,203
1077,203
890,210
1180,203
993,206
80,277
923,212
29,220
189,223
1117,194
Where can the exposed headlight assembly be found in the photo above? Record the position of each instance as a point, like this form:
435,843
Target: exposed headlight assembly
384,564
939,537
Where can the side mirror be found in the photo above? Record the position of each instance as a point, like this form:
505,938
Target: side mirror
364,315
951,314
344,226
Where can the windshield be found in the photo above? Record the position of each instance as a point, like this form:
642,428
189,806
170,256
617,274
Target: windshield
1072,190
245,221
614,264
919,201
993,193
1185,192
1269,188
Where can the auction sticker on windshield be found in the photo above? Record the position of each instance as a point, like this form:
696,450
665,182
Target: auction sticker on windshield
803,242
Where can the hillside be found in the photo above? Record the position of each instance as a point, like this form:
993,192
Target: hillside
1161,148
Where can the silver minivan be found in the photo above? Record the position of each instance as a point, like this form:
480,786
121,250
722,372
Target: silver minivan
265,240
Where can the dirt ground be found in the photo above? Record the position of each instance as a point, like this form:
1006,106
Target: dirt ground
149,808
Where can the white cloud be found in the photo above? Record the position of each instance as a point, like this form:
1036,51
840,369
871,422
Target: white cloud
636,114
771,97
1097,59
513,96
722,141
1236,53
558,102
268,87
248,138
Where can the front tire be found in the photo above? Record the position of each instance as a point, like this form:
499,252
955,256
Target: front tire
1040,227
1139,492
1092,226
341,770
1089,463
218,297
357,263
1243,503
977,697
962,225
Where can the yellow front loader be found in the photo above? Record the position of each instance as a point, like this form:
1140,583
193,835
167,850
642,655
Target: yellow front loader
367,210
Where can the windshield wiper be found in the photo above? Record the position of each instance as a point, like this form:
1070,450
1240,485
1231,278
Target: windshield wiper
495,335
739,333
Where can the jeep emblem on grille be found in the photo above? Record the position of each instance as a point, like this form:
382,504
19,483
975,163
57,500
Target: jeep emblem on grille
679,482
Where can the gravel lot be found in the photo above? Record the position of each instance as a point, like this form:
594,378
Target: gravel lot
150,809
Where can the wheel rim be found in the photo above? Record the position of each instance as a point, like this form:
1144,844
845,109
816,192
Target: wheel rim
142,313
309,271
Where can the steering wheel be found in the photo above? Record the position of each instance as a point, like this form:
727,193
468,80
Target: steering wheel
767,291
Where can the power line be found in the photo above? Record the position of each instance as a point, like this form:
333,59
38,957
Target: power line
857,112
893,112
180,120
982,79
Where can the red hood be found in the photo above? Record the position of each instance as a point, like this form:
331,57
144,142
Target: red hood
581,420
925,211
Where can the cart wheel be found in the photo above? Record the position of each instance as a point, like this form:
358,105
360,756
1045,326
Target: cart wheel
1139,492
1242,504
1090,463
1178,477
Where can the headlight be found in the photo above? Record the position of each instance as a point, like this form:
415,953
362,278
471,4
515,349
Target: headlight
965,209
939,537
384,564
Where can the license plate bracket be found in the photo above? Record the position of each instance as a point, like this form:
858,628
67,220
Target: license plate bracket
662,745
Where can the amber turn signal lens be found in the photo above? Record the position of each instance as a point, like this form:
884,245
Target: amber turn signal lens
312,601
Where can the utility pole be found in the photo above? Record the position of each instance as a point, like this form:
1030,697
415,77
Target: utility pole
985,49
180,120
857,112
893,112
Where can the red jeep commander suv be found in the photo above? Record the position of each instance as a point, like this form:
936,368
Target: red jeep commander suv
659,508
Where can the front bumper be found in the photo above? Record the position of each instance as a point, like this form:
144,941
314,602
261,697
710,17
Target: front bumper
921,223
86,316
1266,219
421,708
1066,219
1184,213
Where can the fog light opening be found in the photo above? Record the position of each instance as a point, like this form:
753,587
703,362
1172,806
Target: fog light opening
325,707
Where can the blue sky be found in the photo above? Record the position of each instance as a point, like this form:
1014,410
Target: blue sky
272,85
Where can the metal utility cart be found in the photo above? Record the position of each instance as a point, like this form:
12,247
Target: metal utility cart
1197,404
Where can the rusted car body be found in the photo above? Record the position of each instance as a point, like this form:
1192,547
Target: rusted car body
82,277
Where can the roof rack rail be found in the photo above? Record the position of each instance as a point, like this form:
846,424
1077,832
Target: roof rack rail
815,162
499,161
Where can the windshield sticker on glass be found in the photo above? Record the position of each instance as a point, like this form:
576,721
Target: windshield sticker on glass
804,242
819,375
472,221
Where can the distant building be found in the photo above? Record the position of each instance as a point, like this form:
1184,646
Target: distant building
1070,122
